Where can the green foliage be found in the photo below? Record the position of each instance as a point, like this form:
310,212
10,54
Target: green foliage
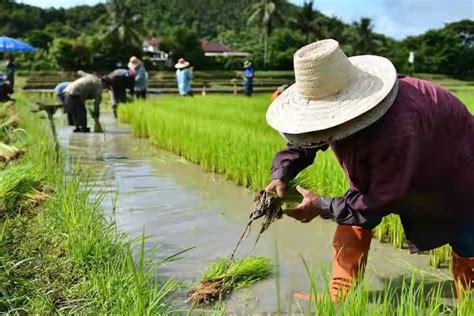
70,54
115,30
183,42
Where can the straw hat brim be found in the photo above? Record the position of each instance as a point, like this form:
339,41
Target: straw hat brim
181,65
376,78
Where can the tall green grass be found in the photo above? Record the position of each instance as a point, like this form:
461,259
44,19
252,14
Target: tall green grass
229,135
64,256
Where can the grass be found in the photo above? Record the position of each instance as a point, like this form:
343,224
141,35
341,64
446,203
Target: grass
60,254
229,135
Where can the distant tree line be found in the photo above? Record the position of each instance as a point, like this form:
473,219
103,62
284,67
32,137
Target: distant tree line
101,36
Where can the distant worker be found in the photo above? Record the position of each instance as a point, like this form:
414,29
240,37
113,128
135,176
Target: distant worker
5,89
141,78
11,69
249,73
183,78
117,82
59,91
406,147
88,87
279,91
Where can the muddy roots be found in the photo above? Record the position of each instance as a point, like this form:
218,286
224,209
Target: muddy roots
207,292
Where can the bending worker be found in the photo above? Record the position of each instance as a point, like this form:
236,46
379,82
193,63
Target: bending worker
405,144
118,81
75,96
59,91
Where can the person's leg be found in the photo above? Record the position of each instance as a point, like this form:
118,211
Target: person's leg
79,113
463,259
351,246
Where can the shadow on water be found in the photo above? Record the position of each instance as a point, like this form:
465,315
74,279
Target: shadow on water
178,206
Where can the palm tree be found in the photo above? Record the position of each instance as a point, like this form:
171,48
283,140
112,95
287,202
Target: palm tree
123,22
265,14
364,41
306,21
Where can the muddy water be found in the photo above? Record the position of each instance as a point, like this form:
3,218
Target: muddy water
178,206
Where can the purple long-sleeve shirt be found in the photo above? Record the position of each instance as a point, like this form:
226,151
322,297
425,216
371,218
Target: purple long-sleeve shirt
416,161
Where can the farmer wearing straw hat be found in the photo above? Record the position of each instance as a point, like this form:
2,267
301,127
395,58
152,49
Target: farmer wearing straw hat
405,145
183,78
141,77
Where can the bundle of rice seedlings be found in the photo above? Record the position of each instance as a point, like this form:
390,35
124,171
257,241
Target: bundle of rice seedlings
8,153
226,275
19,190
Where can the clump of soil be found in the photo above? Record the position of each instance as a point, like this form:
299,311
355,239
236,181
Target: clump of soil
207,292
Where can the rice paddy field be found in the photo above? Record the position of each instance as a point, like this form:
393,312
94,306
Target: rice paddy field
229,135
62,255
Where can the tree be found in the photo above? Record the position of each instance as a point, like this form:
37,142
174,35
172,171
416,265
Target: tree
183,42
306,22
364,41
70,54
266,14
123,26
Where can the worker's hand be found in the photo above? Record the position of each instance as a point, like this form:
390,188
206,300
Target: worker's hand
308,209
277,186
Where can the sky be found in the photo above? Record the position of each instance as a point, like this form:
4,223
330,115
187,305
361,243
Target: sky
395,18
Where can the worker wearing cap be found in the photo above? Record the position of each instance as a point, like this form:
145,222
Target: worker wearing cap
59,92
405,145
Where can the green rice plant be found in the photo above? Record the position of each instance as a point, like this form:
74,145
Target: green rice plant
226,275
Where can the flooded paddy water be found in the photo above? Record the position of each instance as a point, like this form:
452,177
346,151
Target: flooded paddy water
178,206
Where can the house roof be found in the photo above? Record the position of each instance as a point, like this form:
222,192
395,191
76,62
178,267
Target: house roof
209,48
215,47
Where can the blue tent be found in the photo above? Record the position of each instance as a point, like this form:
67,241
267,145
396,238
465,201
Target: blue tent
8,44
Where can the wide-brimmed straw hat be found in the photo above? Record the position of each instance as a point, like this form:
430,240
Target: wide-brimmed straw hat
334,96
247,64
134,63
181,64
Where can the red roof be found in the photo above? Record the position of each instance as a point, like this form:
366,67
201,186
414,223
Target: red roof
207,47
215,47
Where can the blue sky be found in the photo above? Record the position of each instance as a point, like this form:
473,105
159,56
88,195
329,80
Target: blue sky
396,18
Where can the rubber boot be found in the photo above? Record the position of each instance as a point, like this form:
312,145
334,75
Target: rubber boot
351,246
463,272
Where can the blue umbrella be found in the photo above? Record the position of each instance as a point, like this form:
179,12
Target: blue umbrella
8,44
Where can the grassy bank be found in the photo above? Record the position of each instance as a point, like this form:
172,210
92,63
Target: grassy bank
58,254
229,135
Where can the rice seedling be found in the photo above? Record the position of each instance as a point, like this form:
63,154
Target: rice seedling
226,275
229,135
